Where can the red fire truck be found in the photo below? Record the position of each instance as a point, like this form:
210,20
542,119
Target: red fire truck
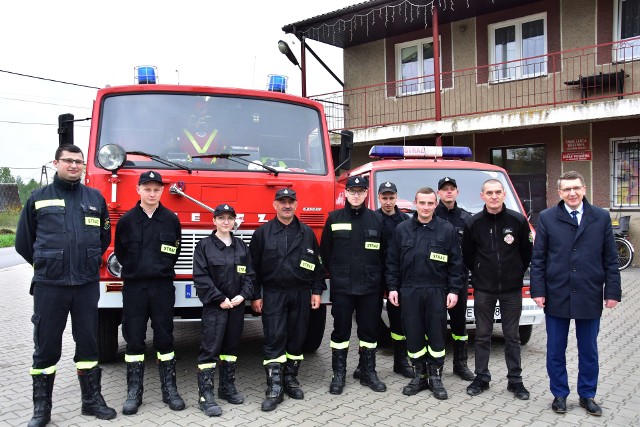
211,145
413,167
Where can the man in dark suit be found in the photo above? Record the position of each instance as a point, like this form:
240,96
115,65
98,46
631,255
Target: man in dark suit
574,268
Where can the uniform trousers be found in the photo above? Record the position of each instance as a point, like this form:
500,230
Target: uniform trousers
395,321
458,316
510,310
142,301
424,315
221,332
285,320
51,307
587,336
368,309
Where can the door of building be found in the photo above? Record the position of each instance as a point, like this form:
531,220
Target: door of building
527,168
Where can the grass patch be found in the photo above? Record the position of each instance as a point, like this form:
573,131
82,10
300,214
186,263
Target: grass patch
7,240
9,220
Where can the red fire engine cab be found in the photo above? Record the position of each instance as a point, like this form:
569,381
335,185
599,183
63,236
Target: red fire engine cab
211,145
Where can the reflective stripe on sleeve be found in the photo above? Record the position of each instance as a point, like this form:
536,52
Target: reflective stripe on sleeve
280,359
86,365
228,358
339,345
46,371
130,358
165,357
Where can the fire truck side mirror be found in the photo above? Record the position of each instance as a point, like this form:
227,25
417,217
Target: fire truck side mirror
65,129
346,145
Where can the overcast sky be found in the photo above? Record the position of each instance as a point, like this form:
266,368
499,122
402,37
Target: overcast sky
98,43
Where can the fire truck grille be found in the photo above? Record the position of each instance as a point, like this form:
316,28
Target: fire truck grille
189,240
313,220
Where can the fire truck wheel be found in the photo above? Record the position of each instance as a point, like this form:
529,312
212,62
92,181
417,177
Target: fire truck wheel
525,333
107,335
315,332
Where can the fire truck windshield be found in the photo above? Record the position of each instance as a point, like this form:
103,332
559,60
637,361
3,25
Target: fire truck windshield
469,183
213,132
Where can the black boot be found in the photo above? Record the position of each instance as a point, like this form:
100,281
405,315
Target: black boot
358,372
275,391
168,386
227,383
400,361
435,382
369,375
135,376
419,381
92,401
339,366
42,391
206,400
460,361
291,384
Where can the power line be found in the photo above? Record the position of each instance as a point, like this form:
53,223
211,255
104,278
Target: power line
44,103
49,80
35,123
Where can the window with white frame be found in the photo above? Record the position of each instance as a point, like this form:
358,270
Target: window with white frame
625,167
628,29
415,67
518,48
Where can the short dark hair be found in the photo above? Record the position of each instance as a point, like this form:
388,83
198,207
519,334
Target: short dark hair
425,190
570,175
70,148
492,180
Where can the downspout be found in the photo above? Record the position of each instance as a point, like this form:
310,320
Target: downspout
303,66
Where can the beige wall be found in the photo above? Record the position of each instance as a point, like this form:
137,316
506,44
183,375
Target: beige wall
364,65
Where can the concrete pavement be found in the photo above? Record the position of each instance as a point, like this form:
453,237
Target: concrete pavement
618,393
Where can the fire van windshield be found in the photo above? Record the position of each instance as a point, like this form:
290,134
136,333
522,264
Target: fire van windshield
205,132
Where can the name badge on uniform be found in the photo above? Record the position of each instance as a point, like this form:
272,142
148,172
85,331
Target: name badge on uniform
92,220
242,269
307,265
439,257
168,249
372,245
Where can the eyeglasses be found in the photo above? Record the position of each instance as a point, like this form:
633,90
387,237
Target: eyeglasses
569,189
72,161
358,192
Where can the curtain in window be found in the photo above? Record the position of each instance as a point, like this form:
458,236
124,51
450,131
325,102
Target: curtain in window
629,18
428,66
533,45
505,50
409,59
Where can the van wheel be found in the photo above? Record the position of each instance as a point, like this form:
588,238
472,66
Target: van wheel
107,334
315,332
525,333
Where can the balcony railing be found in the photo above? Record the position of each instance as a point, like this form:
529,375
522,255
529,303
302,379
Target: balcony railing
587,74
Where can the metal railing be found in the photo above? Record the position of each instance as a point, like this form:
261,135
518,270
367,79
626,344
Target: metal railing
593,73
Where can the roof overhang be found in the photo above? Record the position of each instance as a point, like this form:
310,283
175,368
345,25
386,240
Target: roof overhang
378,19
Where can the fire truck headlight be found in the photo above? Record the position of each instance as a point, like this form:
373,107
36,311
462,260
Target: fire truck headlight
113,266
111,157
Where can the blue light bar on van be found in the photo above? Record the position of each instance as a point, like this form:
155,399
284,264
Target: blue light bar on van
420,152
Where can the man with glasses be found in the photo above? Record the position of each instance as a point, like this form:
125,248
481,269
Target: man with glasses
496,247
289,284
574,269
353,250
147,244
63,231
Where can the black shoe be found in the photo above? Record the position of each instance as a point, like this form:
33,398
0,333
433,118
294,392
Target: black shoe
477,386
559,405
591,406
519,391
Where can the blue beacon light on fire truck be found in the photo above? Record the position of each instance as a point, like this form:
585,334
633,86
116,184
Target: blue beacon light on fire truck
417,152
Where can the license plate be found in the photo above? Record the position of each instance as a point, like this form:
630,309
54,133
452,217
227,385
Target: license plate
471,316
190,291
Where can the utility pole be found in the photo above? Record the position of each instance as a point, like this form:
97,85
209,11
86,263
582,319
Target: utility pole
44,174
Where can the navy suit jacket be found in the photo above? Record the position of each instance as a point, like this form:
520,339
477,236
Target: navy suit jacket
575,268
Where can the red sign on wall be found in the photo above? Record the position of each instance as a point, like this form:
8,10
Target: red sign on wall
575,144
576,156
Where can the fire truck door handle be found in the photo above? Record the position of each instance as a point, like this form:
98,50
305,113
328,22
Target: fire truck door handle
279,184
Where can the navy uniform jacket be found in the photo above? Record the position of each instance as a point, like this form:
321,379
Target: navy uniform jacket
282,263
148,248
425,256
575,268
221,271
63,231
353,250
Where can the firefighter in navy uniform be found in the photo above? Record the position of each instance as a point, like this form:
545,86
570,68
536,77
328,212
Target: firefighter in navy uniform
424,275
147,245
223,276
63,231
289,284
392,216
353,250
449,210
